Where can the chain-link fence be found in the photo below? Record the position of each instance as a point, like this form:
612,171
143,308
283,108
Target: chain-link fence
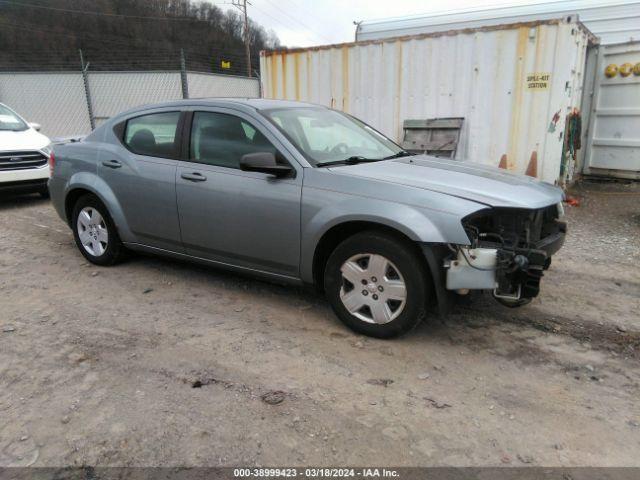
57,101
67,103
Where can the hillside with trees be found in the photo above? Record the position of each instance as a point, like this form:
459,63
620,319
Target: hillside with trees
126,35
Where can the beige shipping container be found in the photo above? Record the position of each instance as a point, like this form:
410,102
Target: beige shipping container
513,84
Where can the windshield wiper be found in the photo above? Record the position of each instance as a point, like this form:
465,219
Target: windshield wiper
360,159
402,153
349,161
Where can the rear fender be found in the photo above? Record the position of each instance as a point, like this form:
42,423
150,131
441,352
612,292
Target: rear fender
94,184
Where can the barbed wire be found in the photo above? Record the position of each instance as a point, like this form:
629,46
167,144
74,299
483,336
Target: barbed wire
211,60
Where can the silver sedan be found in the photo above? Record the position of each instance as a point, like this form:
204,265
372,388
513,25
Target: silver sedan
303,194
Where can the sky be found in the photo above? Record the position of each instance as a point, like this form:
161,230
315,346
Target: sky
303,23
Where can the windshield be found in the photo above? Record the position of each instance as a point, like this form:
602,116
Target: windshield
9,120
326,136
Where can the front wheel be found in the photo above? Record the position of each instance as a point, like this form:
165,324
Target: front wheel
377,284
95,233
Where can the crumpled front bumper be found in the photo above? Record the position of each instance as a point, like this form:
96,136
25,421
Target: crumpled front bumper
511,272
437,256
554,242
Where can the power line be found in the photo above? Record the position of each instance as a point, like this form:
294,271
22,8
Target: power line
235,3
296,6
275,19
300,22
102,59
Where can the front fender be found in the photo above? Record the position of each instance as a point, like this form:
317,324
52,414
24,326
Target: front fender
320,214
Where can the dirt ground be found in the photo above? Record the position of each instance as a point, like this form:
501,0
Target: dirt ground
98,365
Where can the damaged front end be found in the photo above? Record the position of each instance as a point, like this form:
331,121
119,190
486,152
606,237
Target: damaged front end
509,250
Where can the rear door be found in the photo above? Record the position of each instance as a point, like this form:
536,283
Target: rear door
246,219
141,171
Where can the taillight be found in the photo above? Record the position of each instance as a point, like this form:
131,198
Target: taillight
52,163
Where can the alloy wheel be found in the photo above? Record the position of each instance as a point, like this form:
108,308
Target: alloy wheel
92,231
373,288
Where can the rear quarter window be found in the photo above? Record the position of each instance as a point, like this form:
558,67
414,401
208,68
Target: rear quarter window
154,135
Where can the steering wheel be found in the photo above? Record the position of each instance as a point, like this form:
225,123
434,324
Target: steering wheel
341,148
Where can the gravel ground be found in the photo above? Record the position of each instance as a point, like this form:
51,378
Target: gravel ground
156,362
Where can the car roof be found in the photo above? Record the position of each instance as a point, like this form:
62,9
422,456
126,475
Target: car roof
239,103
254,103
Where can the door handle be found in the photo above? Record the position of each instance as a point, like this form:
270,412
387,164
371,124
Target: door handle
194,177
112,163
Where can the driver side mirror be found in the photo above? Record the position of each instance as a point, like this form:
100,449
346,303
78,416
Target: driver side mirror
35,126
264,162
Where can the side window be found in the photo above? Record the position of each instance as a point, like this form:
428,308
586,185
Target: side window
221,139
153,135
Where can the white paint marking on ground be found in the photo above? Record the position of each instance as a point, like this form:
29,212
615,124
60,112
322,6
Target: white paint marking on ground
31,219
49,228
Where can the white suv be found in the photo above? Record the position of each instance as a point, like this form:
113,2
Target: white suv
25,154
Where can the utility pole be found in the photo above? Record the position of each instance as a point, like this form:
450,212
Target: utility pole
242,6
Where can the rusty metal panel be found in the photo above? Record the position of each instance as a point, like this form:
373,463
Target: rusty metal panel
513,85
433,136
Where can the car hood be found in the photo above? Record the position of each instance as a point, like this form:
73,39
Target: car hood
491,186
25,140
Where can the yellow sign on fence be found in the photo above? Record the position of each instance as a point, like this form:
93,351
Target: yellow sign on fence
538,81
226,64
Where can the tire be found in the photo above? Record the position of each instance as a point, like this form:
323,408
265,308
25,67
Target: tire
385,312
44,192
102,245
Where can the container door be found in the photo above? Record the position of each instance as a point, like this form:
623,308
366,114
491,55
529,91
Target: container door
613,139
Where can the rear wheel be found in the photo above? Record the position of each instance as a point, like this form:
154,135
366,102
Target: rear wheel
95,233
377,285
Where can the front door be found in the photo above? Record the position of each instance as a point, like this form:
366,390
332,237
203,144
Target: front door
245,219
141,173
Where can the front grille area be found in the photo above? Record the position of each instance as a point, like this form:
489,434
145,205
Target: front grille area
511,227
524,241
22,160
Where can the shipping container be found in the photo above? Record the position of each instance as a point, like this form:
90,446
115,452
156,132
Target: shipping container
612,21
514,85
612,142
